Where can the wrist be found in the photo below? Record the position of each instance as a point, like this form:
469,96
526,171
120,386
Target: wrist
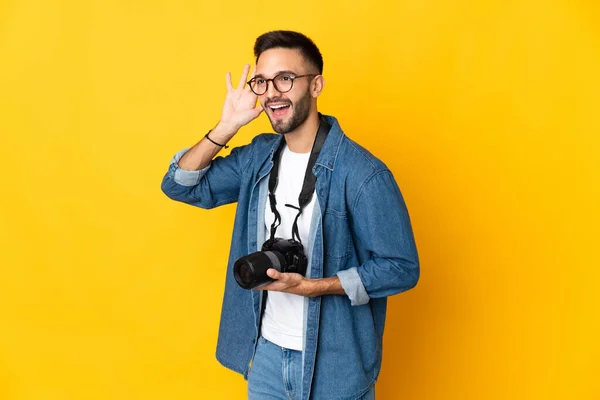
215,143
309,287
223,132
322,286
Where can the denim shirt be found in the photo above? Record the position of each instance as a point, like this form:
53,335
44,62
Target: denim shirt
360,231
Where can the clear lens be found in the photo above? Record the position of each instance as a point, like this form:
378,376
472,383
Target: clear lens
258,86
283,83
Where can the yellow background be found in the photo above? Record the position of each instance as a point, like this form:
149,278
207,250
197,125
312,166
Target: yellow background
487,112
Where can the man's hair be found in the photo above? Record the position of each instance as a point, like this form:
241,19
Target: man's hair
290,40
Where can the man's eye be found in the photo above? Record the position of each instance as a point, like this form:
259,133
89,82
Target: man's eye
286,78
260,81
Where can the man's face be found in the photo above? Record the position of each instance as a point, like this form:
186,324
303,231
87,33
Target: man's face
297,102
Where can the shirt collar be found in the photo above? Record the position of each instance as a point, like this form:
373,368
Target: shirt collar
330,148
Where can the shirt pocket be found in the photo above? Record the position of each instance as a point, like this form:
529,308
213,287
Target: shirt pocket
337,239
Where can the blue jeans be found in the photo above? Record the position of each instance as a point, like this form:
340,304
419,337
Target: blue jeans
276,373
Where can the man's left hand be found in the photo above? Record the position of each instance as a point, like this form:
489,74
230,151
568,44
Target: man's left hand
289,282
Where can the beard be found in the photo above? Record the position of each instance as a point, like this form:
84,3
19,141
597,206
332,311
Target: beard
300,111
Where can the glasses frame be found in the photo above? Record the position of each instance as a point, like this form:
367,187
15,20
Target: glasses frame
272,80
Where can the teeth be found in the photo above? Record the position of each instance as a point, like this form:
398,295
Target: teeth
279,106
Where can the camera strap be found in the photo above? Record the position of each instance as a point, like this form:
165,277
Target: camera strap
308,187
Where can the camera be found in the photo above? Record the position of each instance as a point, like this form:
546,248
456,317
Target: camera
284,255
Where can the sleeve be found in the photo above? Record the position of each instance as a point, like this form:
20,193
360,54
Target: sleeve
382,230
217,184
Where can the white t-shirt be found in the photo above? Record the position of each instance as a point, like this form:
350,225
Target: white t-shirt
283,317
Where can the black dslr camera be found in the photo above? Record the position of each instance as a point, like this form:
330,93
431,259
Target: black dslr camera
284,255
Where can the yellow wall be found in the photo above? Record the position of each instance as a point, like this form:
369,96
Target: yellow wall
487,112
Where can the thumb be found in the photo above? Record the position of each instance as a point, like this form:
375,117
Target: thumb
273,273
258,110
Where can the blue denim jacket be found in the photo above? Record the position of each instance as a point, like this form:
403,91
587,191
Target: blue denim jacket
360,231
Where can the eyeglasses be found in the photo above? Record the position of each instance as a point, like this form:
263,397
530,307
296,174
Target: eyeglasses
283,83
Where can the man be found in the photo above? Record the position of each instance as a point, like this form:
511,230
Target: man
317,335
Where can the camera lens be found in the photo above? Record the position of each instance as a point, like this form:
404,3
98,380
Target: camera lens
251,271
245,274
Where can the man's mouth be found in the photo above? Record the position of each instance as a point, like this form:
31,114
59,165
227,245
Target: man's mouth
278,110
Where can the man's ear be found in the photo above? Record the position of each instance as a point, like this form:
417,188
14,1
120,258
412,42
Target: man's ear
317,85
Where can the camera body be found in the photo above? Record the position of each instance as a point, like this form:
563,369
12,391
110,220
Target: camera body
284,255
293,252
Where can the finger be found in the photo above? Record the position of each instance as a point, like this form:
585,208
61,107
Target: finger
253,72
264,287
273,287
228,81
274,274
244,76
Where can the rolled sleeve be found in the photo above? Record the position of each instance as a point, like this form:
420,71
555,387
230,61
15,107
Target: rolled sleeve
353,286
383,231
185,177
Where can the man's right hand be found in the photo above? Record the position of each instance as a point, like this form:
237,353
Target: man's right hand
240,106
239,109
